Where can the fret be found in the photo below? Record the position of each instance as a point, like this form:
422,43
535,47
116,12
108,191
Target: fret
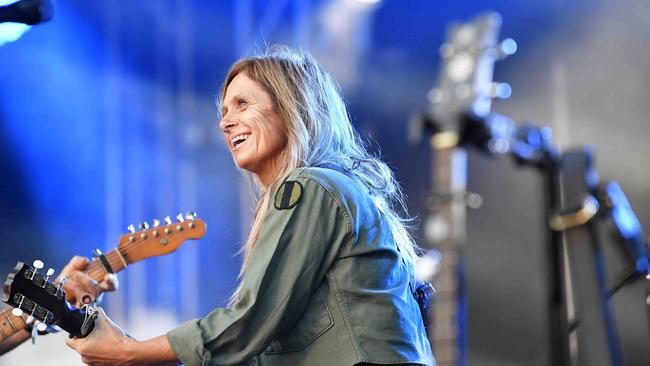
120,258
96,269
10,327
13,326
115,260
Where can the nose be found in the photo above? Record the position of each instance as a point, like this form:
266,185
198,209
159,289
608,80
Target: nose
226,124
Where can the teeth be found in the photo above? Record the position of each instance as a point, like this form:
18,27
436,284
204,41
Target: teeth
239,139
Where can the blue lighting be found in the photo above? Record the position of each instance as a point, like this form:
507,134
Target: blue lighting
642,265
534,138
622,213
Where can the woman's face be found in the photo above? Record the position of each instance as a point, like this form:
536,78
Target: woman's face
252,128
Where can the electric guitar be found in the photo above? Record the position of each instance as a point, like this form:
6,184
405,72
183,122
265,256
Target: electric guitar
132,247
465,87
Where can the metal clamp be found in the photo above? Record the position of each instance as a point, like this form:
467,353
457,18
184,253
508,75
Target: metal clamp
98,254
586,212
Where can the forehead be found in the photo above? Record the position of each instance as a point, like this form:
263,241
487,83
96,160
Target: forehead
243,85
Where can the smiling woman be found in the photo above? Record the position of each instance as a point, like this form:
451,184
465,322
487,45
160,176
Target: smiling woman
328,271
253,129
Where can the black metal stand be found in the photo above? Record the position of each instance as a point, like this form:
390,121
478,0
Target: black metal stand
596,246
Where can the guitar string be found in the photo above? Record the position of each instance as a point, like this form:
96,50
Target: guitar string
129,247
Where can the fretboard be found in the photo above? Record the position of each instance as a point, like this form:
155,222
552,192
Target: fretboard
449,183
11,324
116,260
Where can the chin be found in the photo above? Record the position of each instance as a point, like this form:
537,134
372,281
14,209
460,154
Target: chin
245,164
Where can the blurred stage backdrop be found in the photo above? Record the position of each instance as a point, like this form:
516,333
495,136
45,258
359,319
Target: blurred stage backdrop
107,118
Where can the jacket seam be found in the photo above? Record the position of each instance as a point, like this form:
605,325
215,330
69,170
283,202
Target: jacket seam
348,327
327,187
313,339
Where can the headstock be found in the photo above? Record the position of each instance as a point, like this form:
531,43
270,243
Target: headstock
465,78
160,238
30,292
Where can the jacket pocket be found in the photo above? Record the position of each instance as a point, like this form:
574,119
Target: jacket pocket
316,320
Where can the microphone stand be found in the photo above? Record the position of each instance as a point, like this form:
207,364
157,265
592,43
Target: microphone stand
582,282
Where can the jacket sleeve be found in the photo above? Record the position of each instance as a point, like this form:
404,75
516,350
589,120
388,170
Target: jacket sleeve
294,251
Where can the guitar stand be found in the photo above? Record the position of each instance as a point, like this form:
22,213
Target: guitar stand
596,250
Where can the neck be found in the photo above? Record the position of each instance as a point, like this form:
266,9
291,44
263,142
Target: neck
268,174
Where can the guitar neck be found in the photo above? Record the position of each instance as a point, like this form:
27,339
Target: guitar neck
133,247
11,324
117,260
450,171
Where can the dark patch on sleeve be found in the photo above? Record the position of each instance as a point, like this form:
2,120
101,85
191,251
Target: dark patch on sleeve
288,195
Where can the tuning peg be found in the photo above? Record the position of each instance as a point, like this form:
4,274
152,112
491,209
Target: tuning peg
38,264
49,273
168,220
155,222
180,217
131,229
190,216
41,327
501,90
506,48
17,312
143,225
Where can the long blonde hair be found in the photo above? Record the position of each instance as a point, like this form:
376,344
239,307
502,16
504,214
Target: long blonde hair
319,132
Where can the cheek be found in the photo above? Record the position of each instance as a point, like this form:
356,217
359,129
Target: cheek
271,130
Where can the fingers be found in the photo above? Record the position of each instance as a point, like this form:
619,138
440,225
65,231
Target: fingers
72,343
77,263
109,283
80,288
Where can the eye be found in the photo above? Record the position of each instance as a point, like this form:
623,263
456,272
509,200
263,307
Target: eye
242,104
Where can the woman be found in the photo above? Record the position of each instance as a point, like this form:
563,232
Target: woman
327,276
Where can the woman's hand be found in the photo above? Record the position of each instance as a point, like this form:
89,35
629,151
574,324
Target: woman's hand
79,287
107,344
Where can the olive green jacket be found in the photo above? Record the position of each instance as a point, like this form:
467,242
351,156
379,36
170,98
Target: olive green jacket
325,285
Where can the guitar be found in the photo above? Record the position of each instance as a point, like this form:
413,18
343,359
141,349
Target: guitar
465,87
132,247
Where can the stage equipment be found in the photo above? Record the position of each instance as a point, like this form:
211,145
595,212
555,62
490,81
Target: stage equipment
465,84
597,254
